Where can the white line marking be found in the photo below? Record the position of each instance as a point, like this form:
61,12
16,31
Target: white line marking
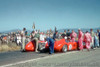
50,56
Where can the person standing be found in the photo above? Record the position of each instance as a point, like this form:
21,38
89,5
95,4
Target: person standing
92,35
87,40
55,35
18,39
42,36
80,39
73,35
64,35
96,41
98,31
27,37
23,38
68,33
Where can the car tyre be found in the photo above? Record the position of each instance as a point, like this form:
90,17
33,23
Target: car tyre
64,48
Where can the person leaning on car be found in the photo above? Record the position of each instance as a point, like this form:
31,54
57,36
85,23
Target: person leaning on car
51,42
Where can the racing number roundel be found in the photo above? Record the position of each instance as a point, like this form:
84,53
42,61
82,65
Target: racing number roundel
70,47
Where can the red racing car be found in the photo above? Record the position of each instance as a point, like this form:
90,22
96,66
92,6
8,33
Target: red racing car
59,46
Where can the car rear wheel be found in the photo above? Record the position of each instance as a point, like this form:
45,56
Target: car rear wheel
64,49
41,46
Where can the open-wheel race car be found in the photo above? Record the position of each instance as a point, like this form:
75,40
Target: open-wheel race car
59,46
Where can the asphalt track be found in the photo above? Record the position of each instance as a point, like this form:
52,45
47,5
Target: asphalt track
69,59
17,56
7,58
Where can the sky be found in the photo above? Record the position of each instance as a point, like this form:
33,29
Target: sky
46,14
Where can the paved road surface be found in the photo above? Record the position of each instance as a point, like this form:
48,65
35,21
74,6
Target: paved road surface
69,59
13,57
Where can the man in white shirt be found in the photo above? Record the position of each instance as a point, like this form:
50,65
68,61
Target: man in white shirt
42,36
18,39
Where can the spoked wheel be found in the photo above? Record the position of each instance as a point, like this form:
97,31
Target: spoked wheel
41,46
64,49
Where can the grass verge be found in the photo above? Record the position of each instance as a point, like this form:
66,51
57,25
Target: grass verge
9,47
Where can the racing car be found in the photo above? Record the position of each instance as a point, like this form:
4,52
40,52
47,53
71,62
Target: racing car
59,46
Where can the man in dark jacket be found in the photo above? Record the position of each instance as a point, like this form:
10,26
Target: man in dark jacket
55,35
51,45
99,37
51,42
68,33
